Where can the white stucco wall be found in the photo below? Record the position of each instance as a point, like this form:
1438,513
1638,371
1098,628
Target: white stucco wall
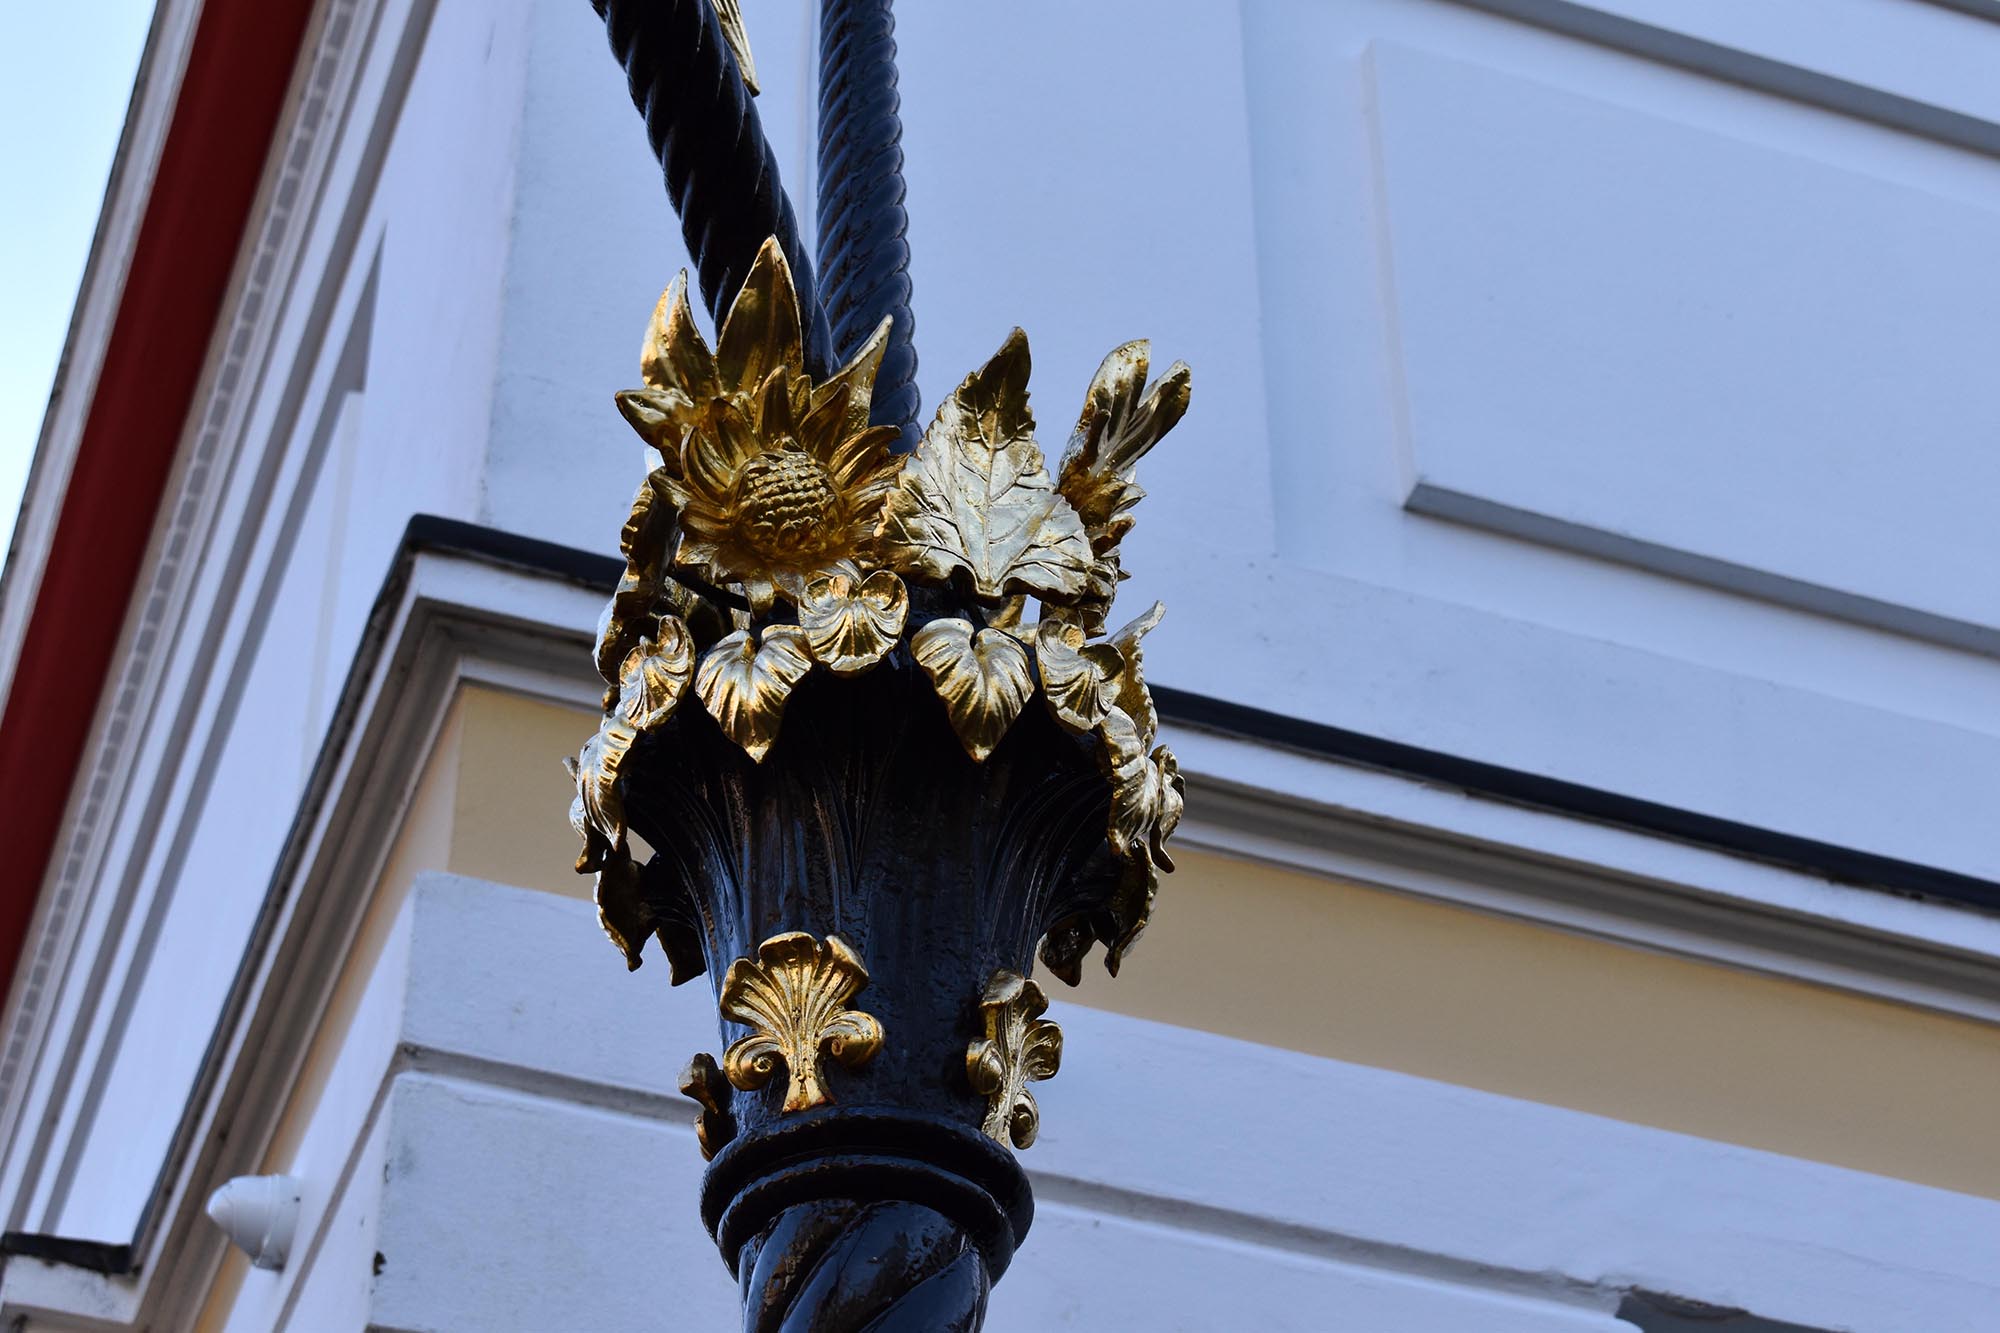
1592,389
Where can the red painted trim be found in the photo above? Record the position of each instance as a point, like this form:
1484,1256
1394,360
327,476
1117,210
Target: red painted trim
227,110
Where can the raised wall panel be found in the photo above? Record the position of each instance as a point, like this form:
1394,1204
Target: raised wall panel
1696,352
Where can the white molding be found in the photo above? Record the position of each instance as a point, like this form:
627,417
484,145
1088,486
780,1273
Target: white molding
1859,76
221,530
1674,562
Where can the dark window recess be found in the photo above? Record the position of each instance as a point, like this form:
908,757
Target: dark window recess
1654,1313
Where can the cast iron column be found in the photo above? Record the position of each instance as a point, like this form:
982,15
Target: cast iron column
861,706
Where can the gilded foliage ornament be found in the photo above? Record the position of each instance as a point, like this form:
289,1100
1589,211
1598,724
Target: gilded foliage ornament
745,681
974,499
1019,1047
775,480
779,535
981,674
702,1081
1123,417
794,999
850,625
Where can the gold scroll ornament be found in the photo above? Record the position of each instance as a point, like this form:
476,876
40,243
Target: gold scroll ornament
1020,1047
794,1000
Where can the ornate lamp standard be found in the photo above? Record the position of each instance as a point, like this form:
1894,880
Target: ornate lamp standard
872,785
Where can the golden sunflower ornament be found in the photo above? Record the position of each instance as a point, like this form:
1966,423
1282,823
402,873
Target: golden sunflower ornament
778,481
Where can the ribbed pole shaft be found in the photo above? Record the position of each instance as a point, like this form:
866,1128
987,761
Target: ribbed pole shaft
720,171
864,250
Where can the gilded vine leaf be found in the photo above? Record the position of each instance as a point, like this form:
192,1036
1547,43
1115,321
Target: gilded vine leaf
655,675
851,624
975,496
982,675
1122,419
744,683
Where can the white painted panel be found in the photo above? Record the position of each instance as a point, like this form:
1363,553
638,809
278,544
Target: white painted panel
568,1234
1381,1177
1694,341
1083,1268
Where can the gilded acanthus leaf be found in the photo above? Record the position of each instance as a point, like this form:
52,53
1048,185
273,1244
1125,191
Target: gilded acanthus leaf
1122,419
850,624
1128,683
655,675
745,683
1076,676
975,496
1131,909
1020,1047
621,907
982,676
1173,804
600,801
1147,791
794,1001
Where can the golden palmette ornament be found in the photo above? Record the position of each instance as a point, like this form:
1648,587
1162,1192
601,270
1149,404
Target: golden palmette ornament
1020,1047
779,536
794,999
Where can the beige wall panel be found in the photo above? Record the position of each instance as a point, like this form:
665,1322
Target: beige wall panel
1445,992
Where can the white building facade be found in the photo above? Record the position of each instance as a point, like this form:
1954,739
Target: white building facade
1583,571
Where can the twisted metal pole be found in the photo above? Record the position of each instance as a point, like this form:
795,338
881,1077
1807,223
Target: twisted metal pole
845,1221
721,173
864,250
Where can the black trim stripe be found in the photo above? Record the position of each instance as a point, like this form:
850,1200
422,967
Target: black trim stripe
1844,865
96,1255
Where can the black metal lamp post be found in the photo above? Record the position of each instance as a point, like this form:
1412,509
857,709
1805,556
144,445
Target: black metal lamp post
872,788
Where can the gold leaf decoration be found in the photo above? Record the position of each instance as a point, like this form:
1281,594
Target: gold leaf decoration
1020,1047
975,497
729,13
1122,419
1131,909
702,1081
1128,730
621,908
775,481
982,676
773,487
1076,676
850,625
600,800
744,683
794,1000
656,674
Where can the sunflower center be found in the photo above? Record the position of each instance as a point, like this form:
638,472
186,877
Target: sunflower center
785,498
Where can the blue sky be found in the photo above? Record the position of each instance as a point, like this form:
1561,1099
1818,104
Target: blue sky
66,75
